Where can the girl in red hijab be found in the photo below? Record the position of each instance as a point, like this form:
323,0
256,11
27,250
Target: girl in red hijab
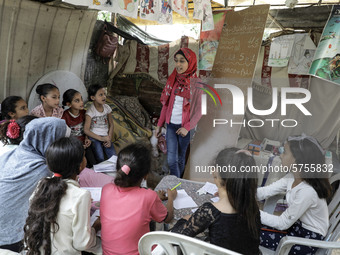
179,95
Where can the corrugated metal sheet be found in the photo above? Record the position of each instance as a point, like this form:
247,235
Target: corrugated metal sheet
36,39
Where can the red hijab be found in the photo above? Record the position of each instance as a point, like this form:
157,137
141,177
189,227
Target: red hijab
182,81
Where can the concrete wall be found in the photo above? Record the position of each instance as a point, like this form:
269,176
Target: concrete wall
36,39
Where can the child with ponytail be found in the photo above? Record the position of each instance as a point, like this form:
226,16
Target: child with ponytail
233,221
58,219
126,209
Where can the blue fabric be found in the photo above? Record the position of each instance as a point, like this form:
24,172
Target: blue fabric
21,169
99,149
176,148
271,239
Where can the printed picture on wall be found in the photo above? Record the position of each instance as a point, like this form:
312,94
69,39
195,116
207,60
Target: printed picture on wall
326,63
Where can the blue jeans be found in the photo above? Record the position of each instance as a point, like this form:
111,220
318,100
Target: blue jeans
176,148
99,149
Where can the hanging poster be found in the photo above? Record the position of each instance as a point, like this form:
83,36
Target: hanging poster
181,7
165,12
208,20
149,9
280,51
209,42
198,10
125,7
302,54
78,2
103,5
326,63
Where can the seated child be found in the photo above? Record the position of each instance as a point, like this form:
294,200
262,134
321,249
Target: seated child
49,96
307,191
61,225
126,209
12,132
13,107
99,123
75,118
233,221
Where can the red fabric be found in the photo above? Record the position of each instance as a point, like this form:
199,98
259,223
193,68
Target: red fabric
266,70
163,58
191,108
298,80
142,57
181,80
75,124
179,85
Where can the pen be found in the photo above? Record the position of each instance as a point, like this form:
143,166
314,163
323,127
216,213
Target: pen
176,186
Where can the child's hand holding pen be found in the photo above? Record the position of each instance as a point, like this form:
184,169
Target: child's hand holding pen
172,194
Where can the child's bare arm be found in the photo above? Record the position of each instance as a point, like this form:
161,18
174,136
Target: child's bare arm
87,130
110,133
170,205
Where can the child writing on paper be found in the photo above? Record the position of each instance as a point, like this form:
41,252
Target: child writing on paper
75,118
49,96
61,225
306,194
233,221
126,209
99,123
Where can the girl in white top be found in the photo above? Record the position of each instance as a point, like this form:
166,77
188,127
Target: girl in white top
306,193
58,219
99,123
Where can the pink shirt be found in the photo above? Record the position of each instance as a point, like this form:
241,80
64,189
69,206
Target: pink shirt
39,111
125,214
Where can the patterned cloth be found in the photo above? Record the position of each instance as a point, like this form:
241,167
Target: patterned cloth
270,238
40,112
225,230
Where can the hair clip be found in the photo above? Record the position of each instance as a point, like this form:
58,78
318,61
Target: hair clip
13,130
126,169
57,175
244,152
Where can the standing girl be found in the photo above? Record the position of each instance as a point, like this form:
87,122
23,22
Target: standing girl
50,97
233,221
61,225
126,209
75,118
13,107
99,123
306,194
177,97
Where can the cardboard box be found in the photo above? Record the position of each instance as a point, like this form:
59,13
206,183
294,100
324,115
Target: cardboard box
254,147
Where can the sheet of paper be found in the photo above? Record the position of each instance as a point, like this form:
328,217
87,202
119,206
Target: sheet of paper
194,210
210,188
96,192
94,216
183,200
215,199
113,159
105,167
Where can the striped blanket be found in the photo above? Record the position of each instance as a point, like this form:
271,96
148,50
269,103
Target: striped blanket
156,61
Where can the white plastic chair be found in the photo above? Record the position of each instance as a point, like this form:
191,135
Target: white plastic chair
169,243
331,238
